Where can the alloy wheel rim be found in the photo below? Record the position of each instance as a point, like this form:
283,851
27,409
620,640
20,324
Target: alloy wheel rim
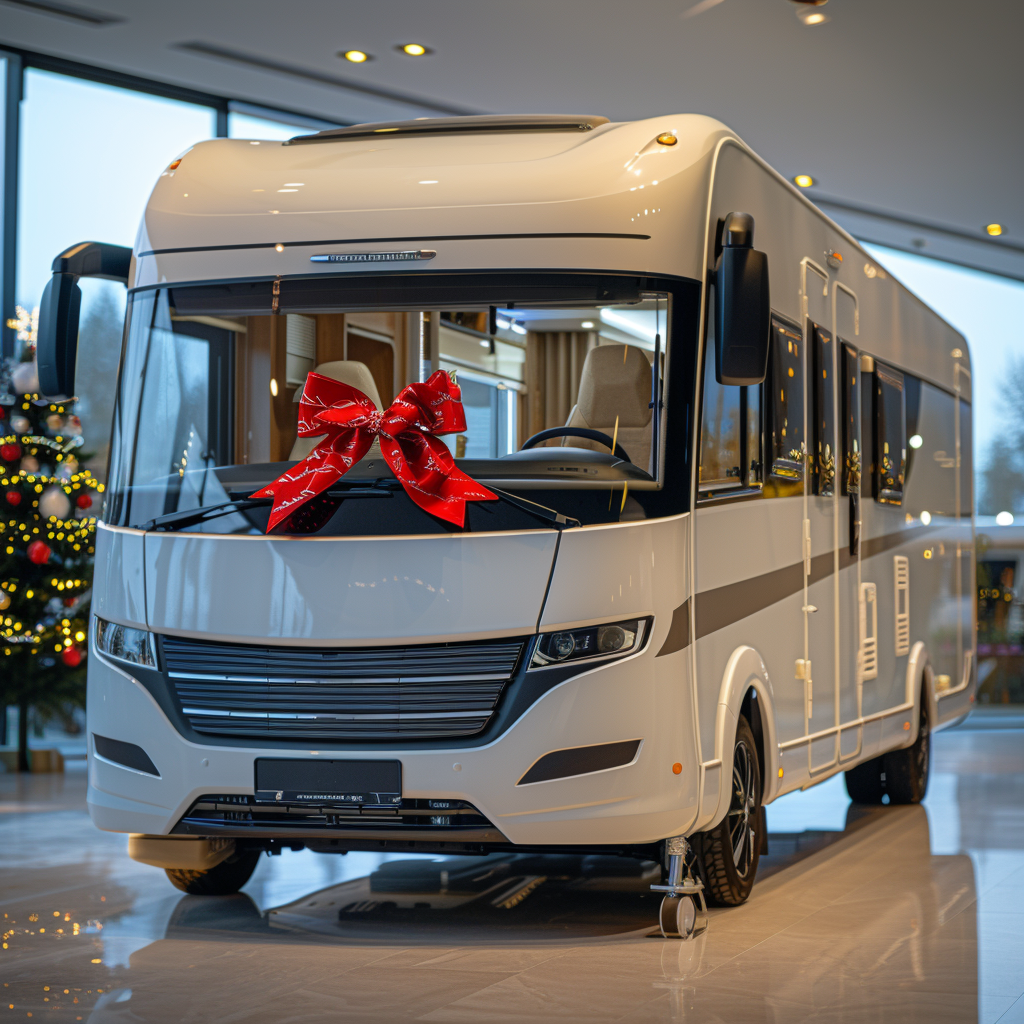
742,810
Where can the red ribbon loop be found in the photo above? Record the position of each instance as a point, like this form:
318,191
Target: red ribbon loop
406,430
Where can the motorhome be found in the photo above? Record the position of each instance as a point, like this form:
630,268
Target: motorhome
728,548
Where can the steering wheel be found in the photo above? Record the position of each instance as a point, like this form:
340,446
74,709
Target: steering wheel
590,435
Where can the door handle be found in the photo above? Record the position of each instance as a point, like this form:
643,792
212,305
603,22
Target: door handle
854,523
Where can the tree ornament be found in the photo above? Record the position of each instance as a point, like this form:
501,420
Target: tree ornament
13,498
54,422
10,452
73,427
30,465
20,424
69,602
25,379
38,552
54,502
84,500
5,601
72,657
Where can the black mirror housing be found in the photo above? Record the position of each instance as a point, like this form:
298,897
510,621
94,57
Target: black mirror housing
57,335
743,305
61,307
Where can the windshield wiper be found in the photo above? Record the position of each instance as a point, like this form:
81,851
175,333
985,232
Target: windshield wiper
191,516
549,515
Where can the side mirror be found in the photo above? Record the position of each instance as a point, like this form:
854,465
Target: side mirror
743,305
59,311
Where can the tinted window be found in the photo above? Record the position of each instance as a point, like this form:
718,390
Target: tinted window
850,381
823,393
785,413
890,442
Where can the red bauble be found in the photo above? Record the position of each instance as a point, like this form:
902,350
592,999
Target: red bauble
38,552
69,601
13,498
72,657
84,501
10,452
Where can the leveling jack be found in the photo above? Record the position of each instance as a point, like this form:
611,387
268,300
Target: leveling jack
684,913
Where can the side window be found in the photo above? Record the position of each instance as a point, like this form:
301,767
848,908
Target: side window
850,383
824,457
784,416
890,435
730,431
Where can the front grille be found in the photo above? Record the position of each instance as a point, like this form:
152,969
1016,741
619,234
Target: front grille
239,814
329,693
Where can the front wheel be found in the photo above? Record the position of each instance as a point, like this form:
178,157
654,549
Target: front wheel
224,879
728,854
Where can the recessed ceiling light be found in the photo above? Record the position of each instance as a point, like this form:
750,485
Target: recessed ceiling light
587,325
413,49
994,229
804,181
294,184
429,181
356,56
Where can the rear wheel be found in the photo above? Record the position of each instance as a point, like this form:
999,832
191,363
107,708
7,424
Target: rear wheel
864,783
728,854
907,770
223,880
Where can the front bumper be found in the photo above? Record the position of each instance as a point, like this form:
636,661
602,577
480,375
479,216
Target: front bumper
640,697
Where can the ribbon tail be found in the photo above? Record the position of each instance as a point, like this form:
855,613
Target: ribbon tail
324,466
432,479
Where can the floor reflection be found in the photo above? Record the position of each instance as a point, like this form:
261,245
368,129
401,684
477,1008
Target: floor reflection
883,914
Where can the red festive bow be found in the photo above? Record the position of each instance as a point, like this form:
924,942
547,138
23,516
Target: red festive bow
406,430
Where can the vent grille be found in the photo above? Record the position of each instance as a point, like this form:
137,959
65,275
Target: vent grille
313,693
901,574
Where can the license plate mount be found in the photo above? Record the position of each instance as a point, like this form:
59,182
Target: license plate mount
328,781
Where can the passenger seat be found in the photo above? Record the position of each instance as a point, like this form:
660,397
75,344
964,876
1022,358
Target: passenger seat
353,373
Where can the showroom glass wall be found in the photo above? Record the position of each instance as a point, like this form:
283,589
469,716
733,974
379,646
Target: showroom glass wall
84,156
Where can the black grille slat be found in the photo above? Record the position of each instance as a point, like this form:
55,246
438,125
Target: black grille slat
424,691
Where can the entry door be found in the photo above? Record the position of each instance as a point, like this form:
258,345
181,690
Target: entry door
821,525
857,610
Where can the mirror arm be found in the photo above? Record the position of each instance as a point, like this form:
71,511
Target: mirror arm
95,259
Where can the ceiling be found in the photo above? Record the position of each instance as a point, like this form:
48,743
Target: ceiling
908,113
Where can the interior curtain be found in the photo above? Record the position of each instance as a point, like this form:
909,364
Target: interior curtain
554,365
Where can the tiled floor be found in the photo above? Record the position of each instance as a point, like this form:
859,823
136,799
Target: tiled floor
895,914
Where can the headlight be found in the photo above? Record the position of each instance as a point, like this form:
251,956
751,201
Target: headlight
134,646
589,642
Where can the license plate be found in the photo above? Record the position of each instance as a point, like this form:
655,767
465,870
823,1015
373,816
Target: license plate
321,781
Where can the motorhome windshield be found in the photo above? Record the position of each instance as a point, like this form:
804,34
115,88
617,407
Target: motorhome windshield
211,379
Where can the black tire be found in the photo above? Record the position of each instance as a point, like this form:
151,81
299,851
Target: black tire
223,880
864,783
907,770
728,854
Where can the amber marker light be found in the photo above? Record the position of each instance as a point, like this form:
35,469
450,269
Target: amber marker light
355,56
414,49
995,230
667,139
677,769
175,164
803,180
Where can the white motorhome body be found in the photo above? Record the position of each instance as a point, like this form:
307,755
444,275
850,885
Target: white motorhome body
768,580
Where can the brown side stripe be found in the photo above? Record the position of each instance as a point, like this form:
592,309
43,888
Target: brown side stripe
722,606
679,632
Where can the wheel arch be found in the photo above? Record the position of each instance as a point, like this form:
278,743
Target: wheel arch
745,681
919,684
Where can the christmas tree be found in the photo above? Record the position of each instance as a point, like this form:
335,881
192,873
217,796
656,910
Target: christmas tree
47,528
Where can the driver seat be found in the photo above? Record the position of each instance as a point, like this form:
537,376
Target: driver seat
616,381
347,371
